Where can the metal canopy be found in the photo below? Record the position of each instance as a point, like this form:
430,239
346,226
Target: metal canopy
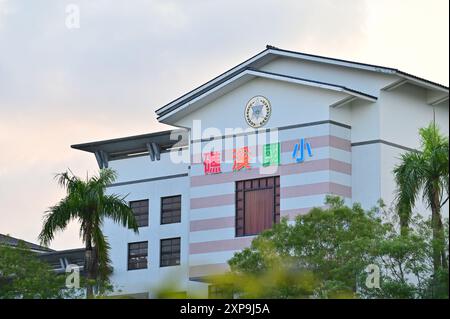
152,143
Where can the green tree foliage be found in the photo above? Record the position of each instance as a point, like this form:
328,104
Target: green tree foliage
406,262
88,203
24,275
324,254
426,173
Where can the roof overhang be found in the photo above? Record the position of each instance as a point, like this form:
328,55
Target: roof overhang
7,240
436,93
271,53
248,74
152,144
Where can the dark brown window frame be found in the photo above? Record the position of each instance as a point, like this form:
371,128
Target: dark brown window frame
171,253
162,217
240,209
146,223
137,256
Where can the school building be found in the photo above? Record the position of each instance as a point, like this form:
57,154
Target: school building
267,139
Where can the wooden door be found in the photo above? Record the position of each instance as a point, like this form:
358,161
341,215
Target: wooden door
257,205
259,211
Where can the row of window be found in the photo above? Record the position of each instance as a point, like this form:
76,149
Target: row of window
169,253
257,209
170,247
257,206
170,210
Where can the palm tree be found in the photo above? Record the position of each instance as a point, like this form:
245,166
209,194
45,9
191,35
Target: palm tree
87,203
425,172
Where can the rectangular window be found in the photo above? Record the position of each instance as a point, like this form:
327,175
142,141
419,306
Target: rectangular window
171,209
257,205
137,255
170,252
140,211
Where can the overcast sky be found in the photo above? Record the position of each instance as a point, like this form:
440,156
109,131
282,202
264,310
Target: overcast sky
61,86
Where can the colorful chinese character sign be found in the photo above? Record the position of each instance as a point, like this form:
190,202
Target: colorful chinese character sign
271,154
300,149
211,162
241,158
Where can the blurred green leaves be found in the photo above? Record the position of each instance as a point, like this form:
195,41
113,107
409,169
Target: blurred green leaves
24,276
324,254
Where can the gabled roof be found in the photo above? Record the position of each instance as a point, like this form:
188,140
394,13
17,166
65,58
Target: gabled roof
271,53
359,65
313,83
247,74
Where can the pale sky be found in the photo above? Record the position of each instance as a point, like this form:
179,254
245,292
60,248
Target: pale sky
61,86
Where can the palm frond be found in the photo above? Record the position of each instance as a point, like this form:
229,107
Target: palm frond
106,177
422,173
101,247
87,201
116,208
56,219
409,176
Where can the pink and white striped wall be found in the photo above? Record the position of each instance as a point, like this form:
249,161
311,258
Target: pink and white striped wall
212,239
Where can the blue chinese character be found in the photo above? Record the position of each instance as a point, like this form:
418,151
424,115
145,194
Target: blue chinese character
300,148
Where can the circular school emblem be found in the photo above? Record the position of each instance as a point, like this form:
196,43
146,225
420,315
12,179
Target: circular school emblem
257,111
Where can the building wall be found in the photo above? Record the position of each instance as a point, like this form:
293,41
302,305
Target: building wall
145,280
303,186
348,160
407,107
291,104
366,170
403,112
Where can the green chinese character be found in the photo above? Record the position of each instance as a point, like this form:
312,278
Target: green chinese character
271,154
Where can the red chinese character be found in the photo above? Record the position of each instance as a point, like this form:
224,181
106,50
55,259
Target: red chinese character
241,158
211,162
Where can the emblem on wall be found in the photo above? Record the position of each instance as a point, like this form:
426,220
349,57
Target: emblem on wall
257,111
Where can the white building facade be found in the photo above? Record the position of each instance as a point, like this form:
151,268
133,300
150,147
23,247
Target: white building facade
267,139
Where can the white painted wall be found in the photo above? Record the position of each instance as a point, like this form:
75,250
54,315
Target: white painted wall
366,183
141,167
403,111
145,280
342,114
291,104
365,121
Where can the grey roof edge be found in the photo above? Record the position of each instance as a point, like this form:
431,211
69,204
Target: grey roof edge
63,252
210,81
210,84
85,146
350,90
271,47
394,70
315,82
3,240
